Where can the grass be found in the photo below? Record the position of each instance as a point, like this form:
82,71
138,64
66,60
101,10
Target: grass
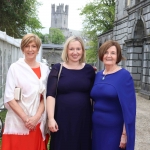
2,116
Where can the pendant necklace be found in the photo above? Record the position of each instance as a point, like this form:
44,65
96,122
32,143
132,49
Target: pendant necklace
104,76
109,72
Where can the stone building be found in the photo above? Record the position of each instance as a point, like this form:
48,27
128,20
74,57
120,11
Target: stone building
52,53
59,19
132,31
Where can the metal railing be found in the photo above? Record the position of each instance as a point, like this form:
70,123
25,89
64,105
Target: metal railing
9,53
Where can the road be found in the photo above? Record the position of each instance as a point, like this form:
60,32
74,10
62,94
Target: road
142,124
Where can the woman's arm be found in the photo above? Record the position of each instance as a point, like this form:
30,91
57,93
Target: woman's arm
51,94
18,110
33,120
50,107
123,140
41,109
30,121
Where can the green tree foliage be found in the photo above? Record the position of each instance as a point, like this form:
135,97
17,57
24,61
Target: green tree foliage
98,18
45,38
91,54
17,17
56,36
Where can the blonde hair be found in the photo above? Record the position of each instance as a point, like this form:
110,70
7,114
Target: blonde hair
28,38
64,55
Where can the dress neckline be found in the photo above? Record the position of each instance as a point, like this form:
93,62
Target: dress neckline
111,73
35,68
75,69
105,75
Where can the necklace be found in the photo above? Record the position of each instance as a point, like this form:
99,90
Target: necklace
110,72
103,78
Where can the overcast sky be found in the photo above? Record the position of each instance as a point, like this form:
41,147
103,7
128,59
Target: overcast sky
74,19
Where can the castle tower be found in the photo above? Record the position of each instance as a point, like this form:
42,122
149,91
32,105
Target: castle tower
59,16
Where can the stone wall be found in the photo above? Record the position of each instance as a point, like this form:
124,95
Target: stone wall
52,56
132,30
52,53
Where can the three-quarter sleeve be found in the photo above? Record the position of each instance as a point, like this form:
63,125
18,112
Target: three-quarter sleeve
52,81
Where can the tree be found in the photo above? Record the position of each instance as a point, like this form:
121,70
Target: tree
56,36
91,54
33,24
19,17
44,37
98,18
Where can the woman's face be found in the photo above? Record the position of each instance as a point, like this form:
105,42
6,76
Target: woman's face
30,51
110,57
74,51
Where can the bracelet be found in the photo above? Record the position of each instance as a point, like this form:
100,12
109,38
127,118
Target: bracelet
123,133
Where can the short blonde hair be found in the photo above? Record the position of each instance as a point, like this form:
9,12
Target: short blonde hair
28,38
64,55
105,46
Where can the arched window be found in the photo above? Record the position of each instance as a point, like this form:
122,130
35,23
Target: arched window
139,30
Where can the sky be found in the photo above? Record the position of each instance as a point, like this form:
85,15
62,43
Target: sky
74,19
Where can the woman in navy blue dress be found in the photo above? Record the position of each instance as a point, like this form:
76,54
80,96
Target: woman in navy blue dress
114,103
70,112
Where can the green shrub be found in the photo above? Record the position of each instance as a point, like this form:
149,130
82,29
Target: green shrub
2,116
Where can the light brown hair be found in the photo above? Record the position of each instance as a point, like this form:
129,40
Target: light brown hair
105,46
64,55
28,38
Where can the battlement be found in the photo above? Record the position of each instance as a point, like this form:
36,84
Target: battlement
59,9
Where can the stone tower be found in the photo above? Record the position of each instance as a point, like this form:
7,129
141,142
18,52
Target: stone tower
59,16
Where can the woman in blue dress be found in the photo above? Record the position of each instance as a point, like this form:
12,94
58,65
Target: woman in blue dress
70,112
114,99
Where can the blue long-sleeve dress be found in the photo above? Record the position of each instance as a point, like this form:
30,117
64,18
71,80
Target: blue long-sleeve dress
114,104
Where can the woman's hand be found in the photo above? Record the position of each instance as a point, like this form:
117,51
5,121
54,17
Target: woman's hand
32,122
52,125
123,141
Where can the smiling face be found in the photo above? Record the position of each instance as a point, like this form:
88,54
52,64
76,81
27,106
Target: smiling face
74,51
30,51
110,56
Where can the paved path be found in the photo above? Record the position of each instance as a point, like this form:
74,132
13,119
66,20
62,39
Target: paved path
142,124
